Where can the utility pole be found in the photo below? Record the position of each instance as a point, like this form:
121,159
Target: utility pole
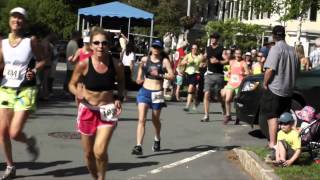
189,8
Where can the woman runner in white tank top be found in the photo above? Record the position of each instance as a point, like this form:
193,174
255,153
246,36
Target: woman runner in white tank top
17,88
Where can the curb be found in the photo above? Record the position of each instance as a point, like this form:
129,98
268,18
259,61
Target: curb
255,166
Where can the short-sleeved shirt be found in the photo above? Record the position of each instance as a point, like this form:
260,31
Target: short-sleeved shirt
193,65
315,58
283,61
217,53
292,138
72,48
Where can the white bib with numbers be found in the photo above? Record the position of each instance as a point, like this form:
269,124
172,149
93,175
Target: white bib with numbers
157,97
12,72
108,113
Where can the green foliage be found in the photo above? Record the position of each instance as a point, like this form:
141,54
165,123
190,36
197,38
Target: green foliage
188,22
44,16
245,36
287,9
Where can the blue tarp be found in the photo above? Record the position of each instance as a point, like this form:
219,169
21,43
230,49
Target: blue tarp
115,9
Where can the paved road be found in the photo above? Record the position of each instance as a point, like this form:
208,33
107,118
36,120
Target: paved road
190,149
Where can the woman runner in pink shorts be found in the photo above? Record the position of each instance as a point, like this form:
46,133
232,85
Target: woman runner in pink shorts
99,109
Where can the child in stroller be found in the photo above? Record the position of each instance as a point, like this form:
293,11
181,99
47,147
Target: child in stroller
308,124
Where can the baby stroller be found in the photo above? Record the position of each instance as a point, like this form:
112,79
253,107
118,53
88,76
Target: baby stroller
309,126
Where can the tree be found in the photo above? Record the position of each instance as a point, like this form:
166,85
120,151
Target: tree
44,16
245,36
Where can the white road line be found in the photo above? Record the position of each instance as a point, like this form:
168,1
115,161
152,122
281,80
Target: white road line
172,165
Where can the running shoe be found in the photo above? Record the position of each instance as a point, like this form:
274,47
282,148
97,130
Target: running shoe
186,109
137,150
32,148
156,146
205,118
9,173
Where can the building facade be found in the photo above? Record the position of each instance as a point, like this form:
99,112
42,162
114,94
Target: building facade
303,31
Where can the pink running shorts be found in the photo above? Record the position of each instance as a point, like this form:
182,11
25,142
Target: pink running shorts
89,120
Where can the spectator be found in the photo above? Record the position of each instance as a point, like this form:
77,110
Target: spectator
128,60
123,40
304,61
71,49
282,66
315,55
178,68
288,148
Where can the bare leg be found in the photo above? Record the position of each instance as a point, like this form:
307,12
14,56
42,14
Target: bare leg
190,95
273,126
6,116
178,93
100,149
206,102
87,145
143,109
156,122
229,96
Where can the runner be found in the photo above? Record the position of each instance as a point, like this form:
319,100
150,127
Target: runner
238,70
99,109
18,87
151,94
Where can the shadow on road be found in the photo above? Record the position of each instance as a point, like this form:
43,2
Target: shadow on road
257,134
36,165
200,148
82,170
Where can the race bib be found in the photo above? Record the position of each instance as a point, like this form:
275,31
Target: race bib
157,97
235,78
12,72
108,113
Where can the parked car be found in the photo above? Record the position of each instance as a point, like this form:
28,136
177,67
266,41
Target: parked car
247,101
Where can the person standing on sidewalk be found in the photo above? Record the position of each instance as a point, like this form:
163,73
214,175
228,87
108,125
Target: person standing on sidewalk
98,109
282,67
213,80
18,87
151,95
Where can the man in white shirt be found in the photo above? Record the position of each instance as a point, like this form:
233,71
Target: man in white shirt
315,55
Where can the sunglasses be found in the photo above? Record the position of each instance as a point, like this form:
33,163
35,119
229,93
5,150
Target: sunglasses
103,43
259,56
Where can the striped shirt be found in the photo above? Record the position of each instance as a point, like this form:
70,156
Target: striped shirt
315,57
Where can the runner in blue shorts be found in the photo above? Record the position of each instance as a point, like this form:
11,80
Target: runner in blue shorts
151,94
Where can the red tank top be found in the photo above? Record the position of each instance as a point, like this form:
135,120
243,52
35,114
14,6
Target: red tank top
83,55
237,73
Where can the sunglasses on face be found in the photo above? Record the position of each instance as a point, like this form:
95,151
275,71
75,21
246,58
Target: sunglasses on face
103,43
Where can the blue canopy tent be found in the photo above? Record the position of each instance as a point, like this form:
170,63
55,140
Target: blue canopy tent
117,12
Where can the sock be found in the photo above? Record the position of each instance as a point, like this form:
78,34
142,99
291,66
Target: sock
156,139
139,145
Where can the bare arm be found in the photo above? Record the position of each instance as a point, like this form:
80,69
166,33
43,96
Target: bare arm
140,74
75,57
184,60
78,71
246,69
1,61
169,75
267,77
294,157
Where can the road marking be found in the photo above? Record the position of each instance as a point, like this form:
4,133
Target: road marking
175,164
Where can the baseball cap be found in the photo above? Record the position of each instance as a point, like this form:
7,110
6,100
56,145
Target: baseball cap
19,10
157,43
286,117
279,30
248,53
86,39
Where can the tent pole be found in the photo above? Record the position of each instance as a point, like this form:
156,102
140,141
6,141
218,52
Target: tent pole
129,26
101,21
83,22
151,33
78,22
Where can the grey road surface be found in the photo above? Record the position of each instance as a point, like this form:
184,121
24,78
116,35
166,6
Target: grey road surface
190,149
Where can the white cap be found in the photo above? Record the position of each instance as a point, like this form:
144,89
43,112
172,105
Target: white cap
19,10
248,53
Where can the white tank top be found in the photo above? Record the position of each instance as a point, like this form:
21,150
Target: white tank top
16,60
126,60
